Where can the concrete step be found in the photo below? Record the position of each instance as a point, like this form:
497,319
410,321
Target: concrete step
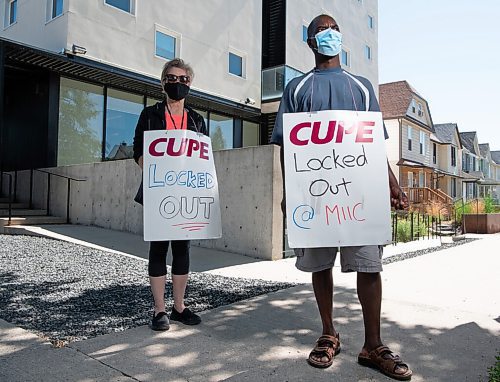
23,212
23,206
32,220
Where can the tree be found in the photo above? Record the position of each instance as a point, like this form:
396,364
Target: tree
218,141
79,142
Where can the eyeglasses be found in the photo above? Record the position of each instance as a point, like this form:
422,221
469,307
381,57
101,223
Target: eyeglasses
174,78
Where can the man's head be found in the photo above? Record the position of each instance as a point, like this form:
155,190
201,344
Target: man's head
319,24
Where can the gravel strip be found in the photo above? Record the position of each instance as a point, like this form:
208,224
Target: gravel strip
420,252
66,292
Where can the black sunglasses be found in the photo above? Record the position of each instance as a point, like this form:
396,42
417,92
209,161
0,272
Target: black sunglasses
174,78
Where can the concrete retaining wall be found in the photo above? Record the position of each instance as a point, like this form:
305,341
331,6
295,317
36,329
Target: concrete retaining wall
250,187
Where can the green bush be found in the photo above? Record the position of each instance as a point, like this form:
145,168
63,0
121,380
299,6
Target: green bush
494,371
489,206
403,231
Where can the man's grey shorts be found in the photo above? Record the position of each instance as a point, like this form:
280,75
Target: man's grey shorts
366,259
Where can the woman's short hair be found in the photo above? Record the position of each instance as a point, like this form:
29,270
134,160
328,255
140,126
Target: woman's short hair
177,63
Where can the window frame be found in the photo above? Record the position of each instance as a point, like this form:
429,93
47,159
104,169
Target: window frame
421,142
8,9
368,53
420,109
348,55
170,33
453,156
410,133
371,22
243,63
131,3
434,153
51,9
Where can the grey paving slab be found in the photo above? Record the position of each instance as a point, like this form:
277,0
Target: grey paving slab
441,311
24,357
437,312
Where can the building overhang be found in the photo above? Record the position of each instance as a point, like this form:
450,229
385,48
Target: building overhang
414,164
67,64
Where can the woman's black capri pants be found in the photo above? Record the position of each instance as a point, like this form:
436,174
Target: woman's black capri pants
158,257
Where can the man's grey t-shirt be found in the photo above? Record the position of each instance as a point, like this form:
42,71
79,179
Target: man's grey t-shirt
325,89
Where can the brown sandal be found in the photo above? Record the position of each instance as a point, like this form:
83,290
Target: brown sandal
326,346
385,361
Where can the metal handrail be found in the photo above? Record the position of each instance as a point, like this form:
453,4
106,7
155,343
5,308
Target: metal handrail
49,174
10,195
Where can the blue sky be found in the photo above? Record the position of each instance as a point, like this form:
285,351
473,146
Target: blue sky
449,51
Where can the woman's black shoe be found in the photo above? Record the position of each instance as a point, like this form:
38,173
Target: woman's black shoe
160,321
186,317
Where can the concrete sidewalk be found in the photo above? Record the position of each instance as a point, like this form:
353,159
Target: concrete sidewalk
440,310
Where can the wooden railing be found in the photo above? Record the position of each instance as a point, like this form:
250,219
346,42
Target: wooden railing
418,195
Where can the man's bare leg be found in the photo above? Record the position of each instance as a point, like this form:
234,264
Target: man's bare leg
370,297
323,291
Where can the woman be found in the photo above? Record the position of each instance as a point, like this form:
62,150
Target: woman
172,114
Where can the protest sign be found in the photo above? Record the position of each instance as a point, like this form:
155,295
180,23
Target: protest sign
181,195
336,179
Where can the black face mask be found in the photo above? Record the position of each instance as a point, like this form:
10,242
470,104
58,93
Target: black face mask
176,90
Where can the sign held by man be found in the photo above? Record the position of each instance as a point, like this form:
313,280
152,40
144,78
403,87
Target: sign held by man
337,187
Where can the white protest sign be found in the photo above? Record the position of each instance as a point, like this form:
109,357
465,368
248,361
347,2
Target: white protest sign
336,179
181,195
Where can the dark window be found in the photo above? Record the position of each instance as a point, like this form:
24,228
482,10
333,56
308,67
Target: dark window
57,8
345,58
235,64
368,52
165,45
124,5
304,33
453,156
434,153
370,22
12,12
273,33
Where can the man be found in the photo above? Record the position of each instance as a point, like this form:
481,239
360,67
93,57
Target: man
328,87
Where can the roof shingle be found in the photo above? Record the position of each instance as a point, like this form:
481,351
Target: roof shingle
445,132
468,141
395,98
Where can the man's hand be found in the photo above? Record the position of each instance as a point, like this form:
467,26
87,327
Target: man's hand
140,162
399,200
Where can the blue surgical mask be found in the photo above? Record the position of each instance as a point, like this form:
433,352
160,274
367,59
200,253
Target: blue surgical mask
329,42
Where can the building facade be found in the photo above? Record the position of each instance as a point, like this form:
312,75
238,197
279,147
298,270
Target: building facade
286,55
86,69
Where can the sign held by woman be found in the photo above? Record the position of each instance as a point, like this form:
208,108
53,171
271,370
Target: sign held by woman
181,195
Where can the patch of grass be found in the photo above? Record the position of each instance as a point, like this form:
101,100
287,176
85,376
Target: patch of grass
494,371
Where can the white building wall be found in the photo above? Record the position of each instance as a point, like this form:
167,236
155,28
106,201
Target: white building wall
352,17
392,143
34,26
206,31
